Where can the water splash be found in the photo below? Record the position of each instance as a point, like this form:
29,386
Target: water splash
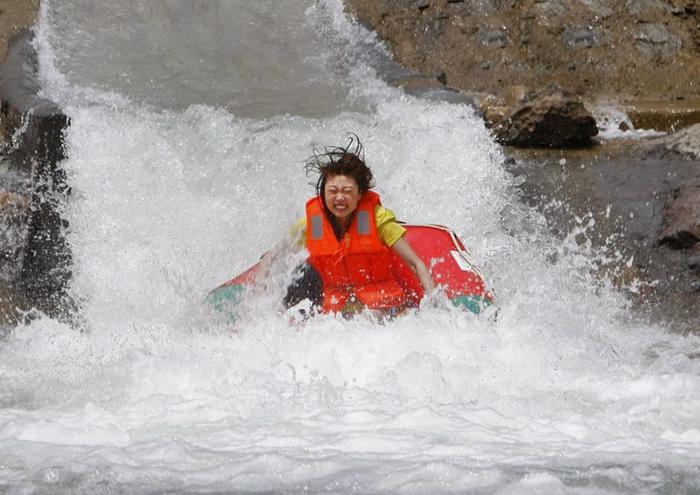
564,391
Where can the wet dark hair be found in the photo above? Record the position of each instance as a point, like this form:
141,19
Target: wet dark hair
348,161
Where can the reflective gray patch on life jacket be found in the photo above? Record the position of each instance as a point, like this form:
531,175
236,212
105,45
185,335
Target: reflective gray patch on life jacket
363,222
316,227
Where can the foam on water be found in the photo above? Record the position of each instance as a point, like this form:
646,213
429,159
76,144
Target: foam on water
563,392
614,123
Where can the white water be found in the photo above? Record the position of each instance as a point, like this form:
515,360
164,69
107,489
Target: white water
563,393
614,123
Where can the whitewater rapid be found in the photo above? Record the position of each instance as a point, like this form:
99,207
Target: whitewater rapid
179,185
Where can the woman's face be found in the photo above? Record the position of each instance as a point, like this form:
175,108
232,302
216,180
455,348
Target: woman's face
342,195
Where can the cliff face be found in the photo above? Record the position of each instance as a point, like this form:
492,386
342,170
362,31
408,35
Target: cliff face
641,49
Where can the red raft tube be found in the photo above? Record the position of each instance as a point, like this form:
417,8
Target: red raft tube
444,254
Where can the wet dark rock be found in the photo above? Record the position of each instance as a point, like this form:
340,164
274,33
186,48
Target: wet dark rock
682,218
626,197
14,216
36,264
548,118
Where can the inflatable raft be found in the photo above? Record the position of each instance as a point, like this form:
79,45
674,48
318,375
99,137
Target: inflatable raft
444,254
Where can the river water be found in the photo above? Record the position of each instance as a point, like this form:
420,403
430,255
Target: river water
190,123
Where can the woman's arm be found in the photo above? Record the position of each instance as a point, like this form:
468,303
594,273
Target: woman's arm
404,249
288,247
265,263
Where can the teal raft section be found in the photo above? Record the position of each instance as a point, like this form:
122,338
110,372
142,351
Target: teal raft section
226,299
475,304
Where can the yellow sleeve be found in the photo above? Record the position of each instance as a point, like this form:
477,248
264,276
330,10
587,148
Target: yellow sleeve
298,233
389,229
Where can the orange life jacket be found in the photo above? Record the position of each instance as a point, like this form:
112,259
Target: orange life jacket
358,268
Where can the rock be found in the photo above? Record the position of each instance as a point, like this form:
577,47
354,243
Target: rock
9,314
493,38
657,41
549,8
548,118
14,216
12,204
582,37
515,94
638,7
495,109
682,218
416,83
694,264
431,88
600,8
38,262
684,144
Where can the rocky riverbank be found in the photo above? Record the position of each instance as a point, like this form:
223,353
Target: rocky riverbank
540,70
635,208
643,49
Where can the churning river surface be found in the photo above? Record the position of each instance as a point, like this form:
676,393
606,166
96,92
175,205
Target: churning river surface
190,121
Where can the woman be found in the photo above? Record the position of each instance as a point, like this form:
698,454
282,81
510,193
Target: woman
350,236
